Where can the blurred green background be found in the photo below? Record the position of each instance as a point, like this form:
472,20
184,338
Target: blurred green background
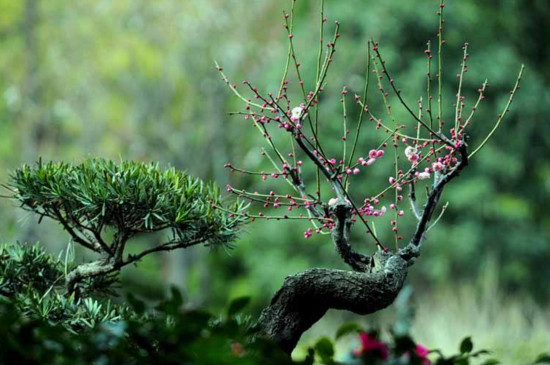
135,79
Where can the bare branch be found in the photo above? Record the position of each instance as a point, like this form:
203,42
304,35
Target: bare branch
404,103
501,115
168,246
77,238
341,213
412,197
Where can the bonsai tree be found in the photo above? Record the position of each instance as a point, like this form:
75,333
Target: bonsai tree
425,151
104,205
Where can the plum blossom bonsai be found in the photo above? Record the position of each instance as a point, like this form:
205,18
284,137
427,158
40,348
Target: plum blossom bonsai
426,150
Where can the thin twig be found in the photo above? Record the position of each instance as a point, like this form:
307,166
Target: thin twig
501,116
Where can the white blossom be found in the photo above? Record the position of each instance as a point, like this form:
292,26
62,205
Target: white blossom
410,151
423,175
297,113
437,166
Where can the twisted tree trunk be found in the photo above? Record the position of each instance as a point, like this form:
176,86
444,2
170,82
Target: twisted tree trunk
305,297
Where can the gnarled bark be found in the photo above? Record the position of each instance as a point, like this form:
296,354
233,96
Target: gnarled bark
305,297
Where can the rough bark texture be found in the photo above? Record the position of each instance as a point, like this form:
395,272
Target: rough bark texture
305,297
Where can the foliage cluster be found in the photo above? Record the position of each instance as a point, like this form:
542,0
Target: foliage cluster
103,205
34,282
37,323
130,197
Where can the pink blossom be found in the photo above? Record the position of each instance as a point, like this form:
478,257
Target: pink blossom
422,352
379,153
409,151
356,171
370,345
437,166
373,153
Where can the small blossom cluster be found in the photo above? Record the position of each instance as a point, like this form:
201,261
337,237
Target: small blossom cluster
373,349
373,156
412,155
369,345
370,211
325,227
440,165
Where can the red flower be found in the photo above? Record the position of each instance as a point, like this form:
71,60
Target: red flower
370,345
422,352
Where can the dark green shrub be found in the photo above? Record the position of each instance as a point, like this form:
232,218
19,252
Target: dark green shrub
34,283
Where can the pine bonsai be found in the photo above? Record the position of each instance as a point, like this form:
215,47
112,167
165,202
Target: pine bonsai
103,205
